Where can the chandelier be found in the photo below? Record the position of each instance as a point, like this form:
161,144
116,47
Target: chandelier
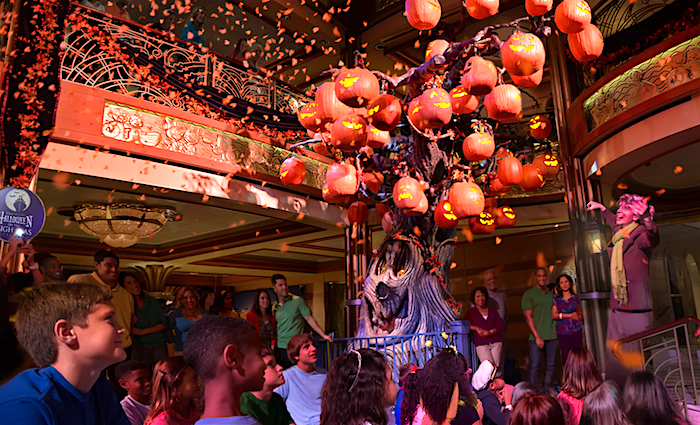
122,225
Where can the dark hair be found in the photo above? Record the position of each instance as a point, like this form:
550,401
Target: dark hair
537,409
294,346
557,288
481,289
405,370
411,397
277,276
209,336
102,254
267,351
167,378
437,382
43,257
46,304
604,406
649,402
125,368
366,402
219,297
521,389
256,303
203,293
581,374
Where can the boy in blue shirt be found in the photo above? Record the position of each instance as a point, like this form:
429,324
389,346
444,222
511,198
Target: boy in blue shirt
72,334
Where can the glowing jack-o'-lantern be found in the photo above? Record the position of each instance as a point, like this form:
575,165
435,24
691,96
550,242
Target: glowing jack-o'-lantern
334,199
540,127
532,178
478,146
444,217
406,193
505,217
504,103
496,188
548,165
358,212
292,171
309,118
587,44
523,54
538,7
510,171
483,224
377,138
414,113
437,108
342,179
532,80
481,9
462,101
384,112
466,199
356,87
349,133
373,181
423,14
572,15
419,209
480,76
328,107
436,47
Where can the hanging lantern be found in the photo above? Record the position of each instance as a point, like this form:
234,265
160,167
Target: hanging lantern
423,14
480,76
308,117
414,113
328,107
532,80
436,47
505,217
355,87
587,44
496,188
377,138
387,222
334,199
540,127
342,179
538,7
532,178
358,212
292,171
437,108
478,146
548,165
466,199
406,193
384,112
462,101
373,181
481,9
510,171
444,217
349,133
419,209
483,224
572,15
504,104
523,54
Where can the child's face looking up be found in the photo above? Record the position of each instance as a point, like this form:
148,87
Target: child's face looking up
190,387
273,373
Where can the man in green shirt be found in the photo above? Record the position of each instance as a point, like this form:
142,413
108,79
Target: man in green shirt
537,307
290,313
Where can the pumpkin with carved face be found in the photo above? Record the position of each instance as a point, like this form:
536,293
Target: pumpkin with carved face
548,165
504,103
342,180
407,191
483,224
358,212
355,87
523,54
538,7
466,199
414,113
349,133
437,108
328,107
572,15
481,9
510,171
423,14
505,217
309,118
436,47
384,112
540,127
478,146
419,209
444,217
586,45
532,80
292,171
480,76
532,178
462,101
334,199
496,188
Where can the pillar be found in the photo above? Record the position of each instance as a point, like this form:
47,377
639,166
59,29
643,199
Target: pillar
358,254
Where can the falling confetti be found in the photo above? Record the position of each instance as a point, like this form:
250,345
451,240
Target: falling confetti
678,169
498,240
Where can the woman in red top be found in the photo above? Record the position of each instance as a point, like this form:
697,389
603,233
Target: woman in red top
487,326
262,318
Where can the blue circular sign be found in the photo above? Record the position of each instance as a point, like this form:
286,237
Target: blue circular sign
22,214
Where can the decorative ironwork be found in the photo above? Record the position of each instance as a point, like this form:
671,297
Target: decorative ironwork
672,68
127,124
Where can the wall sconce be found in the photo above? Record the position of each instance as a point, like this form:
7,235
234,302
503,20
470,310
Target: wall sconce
594,238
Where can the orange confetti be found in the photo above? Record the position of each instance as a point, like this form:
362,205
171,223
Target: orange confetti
300,216
678,169
257,233
468,234
470,282
453,265
630,359
622,186
416,231
205,197
154,251
284,247
660,192
498,240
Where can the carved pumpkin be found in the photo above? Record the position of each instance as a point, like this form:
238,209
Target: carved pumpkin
423,14
349,133
462,101
572,15
510,171
483,224
407,191
358,212
419,209
377,138
355,87
333,199
505,217
445,218
415,113
466,199
532,80
342,179
478,146
587,44
496,188
480,76
504,104
538,7
523,54
436,47
292,171
540,127
308,117
387,222
328,107
481,9
373,181
532,178
384,112
437,108
548,165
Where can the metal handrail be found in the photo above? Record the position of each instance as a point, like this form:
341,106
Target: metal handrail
662,329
